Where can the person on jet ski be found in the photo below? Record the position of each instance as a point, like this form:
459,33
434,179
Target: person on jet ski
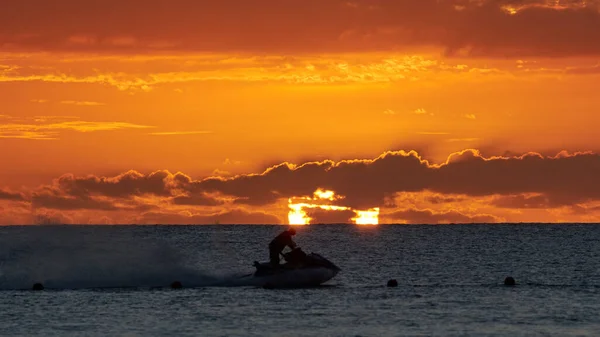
279,243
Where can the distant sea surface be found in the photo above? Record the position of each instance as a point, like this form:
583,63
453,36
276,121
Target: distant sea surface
113,281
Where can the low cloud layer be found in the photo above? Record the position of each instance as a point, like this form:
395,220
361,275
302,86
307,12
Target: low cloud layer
395,181
367,183
13,196
564,179
428,216
460,27
228,217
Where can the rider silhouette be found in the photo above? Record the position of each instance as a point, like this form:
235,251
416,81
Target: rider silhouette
279,243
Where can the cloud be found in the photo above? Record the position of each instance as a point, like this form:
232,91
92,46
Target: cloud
535,200
454,140
14,212
13,196
179,133
229,162
124,192
53,119
50,201
367,183
126,185
47,131
83,126
589,70
321,216
470,116
330,69
442,199
364,183
236,216
82,103
197,200
120,81
432,133
512,28
28,135
51,218
586,210
428,216
467,187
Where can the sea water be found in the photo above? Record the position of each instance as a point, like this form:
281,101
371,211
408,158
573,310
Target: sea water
114,281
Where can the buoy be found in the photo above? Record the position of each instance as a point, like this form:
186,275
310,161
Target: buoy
392,283
509,281
176,285
38,286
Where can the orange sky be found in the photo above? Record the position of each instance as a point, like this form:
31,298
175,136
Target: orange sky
183,111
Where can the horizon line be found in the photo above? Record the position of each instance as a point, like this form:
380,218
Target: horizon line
319,224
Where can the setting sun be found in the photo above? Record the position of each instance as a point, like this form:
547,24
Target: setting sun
298,215
324,195
369,217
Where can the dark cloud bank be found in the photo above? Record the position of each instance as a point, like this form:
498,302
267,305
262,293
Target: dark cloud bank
460,27
528,181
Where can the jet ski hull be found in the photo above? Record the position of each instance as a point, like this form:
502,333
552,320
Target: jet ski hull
295,278
301,270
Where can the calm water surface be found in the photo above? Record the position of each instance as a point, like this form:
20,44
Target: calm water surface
103,281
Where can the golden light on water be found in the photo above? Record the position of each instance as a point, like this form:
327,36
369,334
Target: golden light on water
297,214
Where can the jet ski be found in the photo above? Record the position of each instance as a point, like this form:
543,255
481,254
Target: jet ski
300,270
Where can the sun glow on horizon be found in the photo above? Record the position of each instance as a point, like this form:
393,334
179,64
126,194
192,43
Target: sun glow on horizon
510,9
369,217
324,194
298,216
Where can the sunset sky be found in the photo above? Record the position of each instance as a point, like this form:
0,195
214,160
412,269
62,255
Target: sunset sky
238,111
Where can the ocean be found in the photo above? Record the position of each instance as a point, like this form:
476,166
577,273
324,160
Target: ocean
114,281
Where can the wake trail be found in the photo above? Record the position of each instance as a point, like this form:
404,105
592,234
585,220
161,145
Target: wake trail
75,261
